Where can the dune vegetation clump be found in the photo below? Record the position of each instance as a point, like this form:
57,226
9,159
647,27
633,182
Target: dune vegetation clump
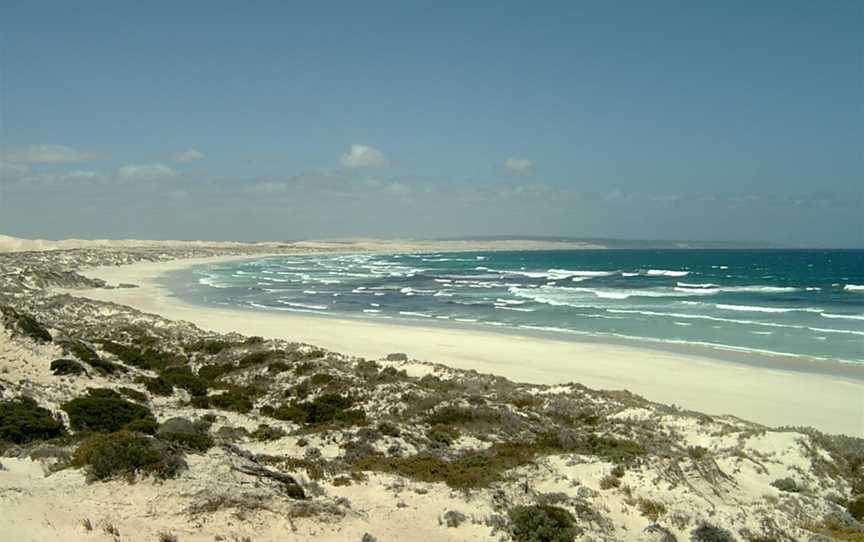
126,454
105,411
23,324
66,367
22,420
542,523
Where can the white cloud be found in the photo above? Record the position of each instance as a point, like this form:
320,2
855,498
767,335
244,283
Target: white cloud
146,172
187,156
519,166
363,156
47,154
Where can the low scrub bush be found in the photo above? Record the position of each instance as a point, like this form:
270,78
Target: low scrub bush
182,377
210,346
328,408
710,533
651,509
20,323
104,411
475,469
441,435
126,454
65,367
610,448
81,351
133,394
156,386
22,420
542,523
787,484
856,507
233,400
144,358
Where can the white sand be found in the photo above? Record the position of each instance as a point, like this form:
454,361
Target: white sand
769,396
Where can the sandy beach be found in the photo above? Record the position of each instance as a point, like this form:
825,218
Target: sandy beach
774,397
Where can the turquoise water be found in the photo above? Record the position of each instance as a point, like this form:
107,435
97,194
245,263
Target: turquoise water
807,303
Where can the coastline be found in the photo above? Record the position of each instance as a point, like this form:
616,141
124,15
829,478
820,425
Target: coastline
773,396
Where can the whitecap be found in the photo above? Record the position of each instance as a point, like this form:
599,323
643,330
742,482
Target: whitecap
854,287
666,273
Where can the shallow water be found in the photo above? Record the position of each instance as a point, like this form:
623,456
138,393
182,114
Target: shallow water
807,303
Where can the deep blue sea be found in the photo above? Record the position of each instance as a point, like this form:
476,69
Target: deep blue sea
807,303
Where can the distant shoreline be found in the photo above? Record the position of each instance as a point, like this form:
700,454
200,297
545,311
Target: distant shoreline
772,395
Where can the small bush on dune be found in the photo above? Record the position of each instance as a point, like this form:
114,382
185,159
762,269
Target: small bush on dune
89,356
157,386
233,400
22,420
440,435
126,454
210,346
104,411
133,394
20,323
327,408
856,507
787,484
182,377
65,367
144,358
710,533
539,523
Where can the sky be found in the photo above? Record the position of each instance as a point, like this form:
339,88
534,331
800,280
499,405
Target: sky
282,120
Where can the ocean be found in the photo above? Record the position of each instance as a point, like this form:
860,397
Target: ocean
803,303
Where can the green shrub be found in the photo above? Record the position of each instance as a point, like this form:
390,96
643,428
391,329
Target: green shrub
213,372
787,484
440,435
199,442
156,386
267,432
542,523
257,358
328,408
126,454
81,351
609,481
133,394
88,355
24,324
710,533
233,400
475,469
182,377
22,420
210,346
610,448
856,507
651,509
63,367
104,411
144,358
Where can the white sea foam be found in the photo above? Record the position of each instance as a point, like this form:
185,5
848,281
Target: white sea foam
303,305
842,316
756,308
371,310
854,287
420,314
666,273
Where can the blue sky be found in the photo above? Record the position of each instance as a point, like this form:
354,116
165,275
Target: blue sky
702,120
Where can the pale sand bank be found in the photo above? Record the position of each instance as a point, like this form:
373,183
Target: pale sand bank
769,396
